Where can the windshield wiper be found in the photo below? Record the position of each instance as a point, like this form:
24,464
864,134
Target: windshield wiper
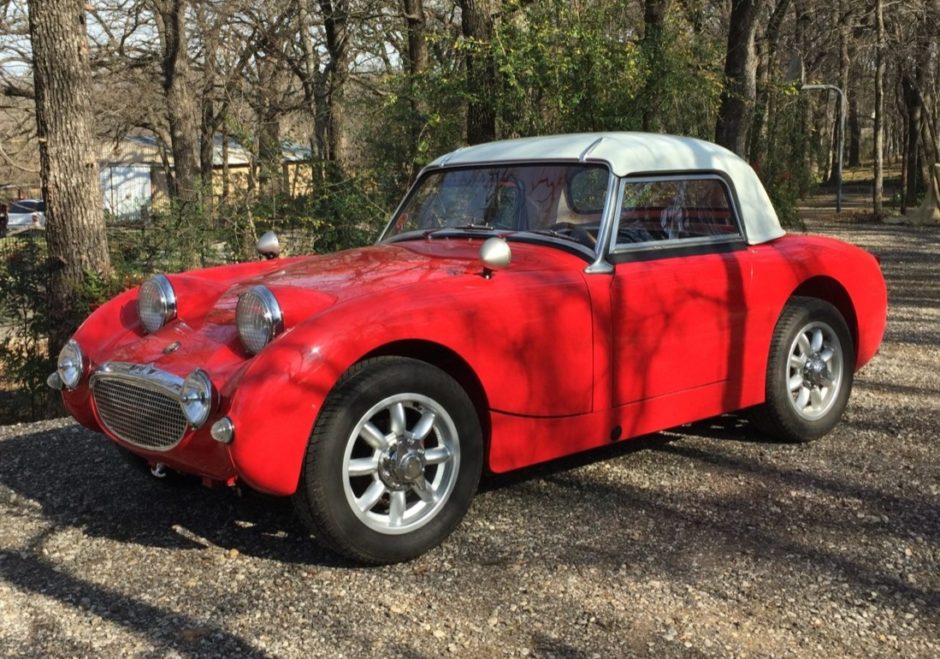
470,226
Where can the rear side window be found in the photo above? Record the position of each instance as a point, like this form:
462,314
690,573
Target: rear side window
676,209
23,207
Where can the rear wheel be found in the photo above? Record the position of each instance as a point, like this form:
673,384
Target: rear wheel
809,373
393,461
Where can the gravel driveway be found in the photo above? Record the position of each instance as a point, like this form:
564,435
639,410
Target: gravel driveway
704,541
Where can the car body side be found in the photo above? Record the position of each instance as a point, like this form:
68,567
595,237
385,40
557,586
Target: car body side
531,344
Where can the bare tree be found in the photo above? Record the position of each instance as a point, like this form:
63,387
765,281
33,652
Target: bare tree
180,98
737,98
879,135
651,45
477,24
75,233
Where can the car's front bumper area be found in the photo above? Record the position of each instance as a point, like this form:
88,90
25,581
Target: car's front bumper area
140,407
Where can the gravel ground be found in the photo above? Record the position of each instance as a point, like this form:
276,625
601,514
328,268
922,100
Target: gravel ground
704,541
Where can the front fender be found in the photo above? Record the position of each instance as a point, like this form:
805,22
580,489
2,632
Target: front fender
529,344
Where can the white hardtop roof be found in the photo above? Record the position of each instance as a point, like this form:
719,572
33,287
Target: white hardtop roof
633,154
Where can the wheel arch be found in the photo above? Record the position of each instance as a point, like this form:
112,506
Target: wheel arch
448,361
830,290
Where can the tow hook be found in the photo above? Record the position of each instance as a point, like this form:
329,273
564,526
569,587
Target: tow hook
158,470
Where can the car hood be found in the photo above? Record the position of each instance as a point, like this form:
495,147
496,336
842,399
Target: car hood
377,269
204,331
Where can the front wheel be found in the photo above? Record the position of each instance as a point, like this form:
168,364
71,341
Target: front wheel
393,461
809,372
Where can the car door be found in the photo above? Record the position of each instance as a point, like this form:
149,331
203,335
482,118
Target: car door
679,288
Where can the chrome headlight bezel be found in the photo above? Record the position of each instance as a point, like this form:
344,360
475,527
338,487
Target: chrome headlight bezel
259,318
196,398
159,294
70,364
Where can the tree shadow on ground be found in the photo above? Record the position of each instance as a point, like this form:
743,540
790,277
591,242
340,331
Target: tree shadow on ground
80,480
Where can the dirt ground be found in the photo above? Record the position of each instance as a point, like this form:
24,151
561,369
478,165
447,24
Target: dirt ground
708,540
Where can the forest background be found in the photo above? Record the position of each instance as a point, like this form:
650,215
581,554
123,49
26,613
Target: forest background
375,90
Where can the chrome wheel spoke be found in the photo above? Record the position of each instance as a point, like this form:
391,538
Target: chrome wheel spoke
397,412
826,354
373,437
803,343
815,398
424,425
795,382
396,508
817,343
436,455
797,361
423,489
802,398
363,466
371,496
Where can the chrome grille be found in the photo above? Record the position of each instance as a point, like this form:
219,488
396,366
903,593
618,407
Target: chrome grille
137,409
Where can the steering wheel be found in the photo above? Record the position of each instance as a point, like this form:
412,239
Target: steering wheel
576,231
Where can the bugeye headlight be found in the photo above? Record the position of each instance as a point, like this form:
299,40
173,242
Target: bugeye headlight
156,303
196,398
259,318
71,364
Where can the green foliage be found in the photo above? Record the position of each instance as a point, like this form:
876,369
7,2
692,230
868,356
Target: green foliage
24,363
342,214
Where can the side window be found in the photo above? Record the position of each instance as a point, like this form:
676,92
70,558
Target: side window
655,210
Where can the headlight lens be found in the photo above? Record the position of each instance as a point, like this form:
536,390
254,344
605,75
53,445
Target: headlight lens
71,364
259,318
156,303
196,398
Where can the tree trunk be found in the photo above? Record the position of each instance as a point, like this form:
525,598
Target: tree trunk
844,18
651,46
855,129
765,65
75,230
737,98
180,101
335,24
879,135
416,64
417,61
913,110
476,23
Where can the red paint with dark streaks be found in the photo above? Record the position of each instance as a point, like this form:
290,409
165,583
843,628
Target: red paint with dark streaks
562,357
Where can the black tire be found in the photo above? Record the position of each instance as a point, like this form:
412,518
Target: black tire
328,489
781,415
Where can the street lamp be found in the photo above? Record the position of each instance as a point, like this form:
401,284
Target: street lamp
797,73
841,94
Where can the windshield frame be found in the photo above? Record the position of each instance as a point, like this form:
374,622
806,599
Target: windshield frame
595,257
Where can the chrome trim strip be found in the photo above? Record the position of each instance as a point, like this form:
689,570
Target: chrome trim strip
601,266
145,375
590,147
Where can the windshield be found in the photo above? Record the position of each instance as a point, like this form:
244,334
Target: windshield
555,199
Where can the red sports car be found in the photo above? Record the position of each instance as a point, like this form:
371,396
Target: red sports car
529,299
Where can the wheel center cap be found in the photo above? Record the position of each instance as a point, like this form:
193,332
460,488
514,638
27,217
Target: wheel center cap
410,466
814,370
